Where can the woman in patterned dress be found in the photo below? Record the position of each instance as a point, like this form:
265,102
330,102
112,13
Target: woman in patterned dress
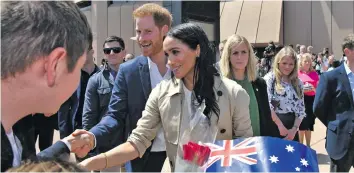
285,94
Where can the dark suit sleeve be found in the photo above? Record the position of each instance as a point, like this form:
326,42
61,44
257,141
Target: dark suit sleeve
91,107
112,124
57,150
64,119
322,100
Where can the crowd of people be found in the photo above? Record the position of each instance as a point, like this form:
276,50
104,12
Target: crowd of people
136,108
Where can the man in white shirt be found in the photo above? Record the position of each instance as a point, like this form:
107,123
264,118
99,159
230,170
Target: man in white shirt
41,58
155,78
133,85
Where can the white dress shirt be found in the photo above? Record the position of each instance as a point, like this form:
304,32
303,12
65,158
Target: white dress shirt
16,148
155,78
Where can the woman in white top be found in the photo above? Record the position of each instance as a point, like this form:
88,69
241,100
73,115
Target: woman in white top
285,94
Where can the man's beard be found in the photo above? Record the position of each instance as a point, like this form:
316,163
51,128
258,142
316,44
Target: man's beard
157,47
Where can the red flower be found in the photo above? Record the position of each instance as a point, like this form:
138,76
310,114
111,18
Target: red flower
197,154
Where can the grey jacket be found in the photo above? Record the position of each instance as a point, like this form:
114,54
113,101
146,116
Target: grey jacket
97,96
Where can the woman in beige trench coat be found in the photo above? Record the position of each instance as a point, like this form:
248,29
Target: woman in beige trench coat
194,80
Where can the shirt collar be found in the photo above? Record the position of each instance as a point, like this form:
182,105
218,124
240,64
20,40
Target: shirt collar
152,64
347,69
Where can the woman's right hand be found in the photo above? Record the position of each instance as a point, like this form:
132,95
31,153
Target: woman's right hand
283,131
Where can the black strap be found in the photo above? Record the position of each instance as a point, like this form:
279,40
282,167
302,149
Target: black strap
273,86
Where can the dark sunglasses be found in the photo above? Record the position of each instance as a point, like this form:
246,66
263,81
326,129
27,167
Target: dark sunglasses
114,49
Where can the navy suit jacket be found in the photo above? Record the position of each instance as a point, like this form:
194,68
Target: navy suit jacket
333,106
130,92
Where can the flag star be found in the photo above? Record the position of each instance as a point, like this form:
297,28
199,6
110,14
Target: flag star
297,169
304,162
290,148
273,159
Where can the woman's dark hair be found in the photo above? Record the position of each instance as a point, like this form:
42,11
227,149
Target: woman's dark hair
192,35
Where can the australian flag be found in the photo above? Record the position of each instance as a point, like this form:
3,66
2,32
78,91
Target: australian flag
261,154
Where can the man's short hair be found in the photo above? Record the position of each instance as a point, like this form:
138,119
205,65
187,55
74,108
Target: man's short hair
160,14
33,29
114,38
348,42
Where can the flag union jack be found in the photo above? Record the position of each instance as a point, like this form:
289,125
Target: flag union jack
229,151
261,154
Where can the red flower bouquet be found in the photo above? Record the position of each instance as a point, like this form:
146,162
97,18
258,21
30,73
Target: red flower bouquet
192,155
195,153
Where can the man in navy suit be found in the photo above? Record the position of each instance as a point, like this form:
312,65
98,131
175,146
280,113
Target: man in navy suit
334,107
41,57
133,85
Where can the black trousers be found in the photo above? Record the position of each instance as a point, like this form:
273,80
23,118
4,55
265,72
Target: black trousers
155,162
44,130
344,164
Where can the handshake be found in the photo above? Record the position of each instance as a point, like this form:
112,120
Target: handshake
80,142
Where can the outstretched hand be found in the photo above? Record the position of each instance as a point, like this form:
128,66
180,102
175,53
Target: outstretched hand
82,142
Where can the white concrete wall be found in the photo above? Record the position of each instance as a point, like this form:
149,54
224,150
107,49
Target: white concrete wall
115,19
318,23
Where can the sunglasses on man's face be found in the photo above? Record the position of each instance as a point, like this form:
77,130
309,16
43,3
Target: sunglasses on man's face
114,49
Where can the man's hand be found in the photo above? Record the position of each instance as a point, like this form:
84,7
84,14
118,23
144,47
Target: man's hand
81,142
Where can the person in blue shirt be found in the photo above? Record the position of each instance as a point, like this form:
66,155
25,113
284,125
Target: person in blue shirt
100,85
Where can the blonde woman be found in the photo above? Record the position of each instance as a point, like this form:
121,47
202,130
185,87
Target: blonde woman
310,79
238,63
285,93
